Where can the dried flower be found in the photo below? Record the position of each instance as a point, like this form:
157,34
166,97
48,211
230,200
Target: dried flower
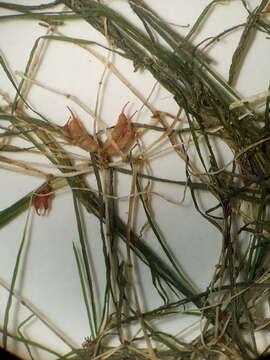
41,200
76,134
122,137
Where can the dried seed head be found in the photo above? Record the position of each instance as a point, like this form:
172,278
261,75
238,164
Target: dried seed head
122,137
42,199
75,133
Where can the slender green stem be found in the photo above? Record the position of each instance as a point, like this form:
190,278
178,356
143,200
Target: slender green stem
84,291
14,278
86,266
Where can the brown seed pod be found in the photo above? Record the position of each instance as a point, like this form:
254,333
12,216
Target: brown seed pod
123,136
75,133
42,199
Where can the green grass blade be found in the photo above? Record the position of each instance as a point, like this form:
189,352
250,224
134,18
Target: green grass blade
16,7
86,265
31,121
245,41
201,19
10,77
14,278
10,213
161,239
150,19
84,291
102,219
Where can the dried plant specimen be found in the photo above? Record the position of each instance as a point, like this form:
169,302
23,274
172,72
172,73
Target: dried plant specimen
42,199
122,137
75,133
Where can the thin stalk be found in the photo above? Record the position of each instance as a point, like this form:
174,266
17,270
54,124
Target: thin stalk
102,219
86,262
17,7
14,278
130,221
22,336
245,42
160,238
30,342
201,19
84,292
25,303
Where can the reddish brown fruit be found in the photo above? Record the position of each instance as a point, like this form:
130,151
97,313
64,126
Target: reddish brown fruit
42,199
